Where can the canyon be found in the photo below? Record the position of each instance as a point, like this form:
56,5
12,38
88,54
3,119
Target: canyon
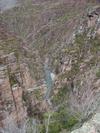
50,66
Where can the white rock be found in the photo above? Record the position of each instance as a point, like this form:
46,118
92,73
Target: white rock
53,76
96,118
86,128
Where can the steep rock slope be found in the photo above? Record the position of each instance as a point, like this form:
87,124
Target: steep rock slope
92,126
57,42
45,27
14,80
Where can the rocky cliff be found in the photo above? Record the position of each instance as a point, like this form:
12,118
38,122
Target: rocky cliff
50,67
12,108
14,80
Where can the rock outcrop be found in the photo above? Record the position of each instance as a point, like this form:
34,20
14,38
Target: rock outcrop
11,89
92,126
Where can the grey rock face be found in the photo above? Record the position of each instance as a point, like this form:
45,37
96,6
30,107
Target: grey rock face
92,126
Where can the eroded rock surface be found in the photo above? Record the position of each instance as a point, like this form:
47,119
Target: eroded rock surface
92,126
11,88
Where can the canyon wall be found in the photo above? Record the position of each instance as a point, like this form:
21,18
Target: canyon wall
13,81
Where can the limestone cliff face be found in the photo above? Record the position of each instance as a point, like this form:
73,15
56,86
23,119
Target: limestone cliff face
10,90
14,79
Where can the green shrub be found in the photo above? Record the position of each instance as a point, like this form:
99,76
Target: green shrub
37,94
42,128
55,127
13,79
61,120
98,74
71,122
95,44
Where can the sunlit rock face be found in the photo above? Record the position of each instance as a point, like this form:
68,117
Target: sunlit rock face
92,126
7,4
